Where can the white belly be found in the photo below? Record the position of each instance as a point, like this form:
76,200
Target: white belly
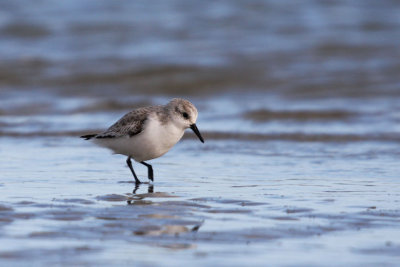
154,141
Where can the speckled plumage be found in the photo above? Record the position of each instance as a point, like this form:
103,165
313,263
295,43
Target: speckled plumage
130,124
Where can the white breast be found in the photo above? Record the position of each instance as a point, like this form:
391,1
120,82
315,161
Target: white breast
154,141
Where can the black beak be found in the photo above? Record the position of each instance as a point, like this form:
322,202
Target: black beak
197,132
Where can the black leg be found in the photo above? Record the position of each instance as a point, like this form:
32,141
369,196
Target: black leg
129,162
136,188
150,170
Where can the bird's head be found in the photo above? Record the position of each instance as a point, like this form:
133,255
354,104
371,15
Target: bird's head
184,115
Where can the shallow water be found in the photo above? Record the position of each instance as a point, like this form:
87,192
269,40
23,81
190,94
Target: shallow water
73,203
300,111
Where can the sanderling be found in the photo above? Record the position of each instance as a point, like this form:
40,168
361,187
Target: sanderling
149,132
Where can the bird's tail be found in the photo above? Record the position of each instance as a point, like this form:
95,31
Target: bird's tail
88,136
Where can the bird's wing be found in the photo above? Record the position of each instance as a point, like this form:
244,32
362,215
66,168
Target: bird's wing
130,124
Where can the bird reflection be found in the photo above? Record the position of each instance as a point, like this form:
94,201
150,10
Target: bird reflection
150,188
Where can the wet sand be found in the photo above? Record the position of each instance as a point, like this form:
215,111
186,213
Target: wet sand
73,202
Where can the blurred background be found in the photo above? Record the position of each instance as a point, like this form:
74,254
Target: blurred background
255,66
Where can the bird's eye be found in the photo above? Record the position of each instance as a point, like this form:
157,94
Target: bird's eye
185,115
